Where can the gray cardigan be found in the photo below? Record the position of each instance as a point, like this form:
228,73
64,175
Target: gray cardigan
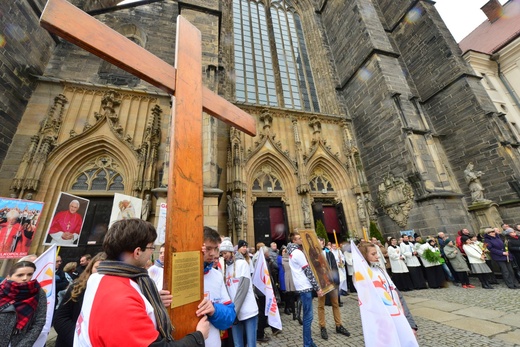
30,332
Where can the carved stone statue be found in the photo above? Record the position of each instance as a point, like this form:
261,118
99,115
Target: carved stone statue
361,208
370,207
306,211
147,206
474,184
238,208
230,210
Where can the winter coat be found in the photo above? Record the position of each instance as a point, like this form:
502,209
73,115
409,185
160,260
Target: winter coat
30,332
65,317
474,253
495,245
456,258
289,283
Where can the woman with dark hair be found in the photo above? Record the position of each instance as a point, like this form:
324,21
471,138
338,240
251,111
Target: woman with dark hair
67,314
23,306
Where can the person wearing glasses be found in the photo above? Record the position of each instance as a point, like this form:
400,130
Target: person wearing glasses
122,288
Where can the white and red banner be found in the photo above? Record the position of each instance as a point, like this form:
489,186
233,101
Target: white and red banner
382,315
45,266
262,281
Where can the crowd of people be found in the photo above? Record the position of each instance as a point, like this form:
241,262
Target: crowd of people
232,303
415,263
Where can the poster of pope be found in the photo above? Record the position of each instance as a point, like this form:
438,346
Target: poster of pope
65,227
125,207
18,224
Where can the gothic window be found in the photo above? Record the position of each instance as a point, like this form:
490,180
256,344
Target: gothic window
318,183
266,181
99,176
255,26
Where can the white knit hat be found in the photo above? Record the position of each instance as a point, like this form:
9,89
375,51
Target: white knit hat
226,245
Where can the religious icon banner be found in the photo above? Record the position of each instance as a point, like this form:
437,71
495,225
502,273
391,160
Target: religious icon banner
125,207
67,221
319,266
18,224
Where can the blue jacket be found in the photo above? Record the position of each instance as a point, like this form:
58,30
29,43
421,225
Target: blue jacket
281,273
223,317
496,247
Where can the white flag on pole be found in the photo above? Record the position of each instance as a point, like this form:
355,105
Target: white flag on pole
262,281
382,315
45,266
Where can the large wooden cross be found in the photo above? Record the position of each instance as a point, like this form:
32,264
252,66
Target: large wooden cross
185,184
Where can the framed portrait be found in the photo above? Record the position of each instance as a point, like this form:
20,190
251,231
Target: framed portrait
125,207
18,225
67,221
314,253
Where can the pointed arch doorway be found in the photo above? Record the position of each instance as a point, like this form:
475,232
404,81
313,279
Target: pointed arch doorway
332,216
270,221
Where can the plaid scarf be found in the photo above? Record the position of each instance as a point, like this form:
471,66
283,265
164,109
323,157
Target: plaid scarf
24,297
148,288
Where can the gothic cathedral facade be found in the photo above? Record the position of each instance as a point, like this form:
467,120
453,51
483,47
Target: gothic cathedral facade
366,115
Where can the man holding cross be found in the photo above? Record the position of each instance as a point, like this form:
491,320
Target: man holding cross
185,181
122,288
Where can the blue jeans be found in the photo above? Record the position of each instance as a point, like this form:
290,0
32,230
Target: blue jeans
306,299
448,272
249,327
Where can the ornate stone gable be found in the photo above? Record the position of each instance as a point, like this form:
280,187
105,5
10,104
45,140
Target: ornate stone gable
396,199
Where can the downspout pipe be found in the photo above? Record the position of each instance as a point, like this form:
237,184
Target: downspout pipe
495,57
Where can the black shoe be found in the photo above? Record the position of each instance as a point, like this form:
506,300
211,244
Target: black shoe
341,330
263,339
287,312
277,332
294,316
340,304
456,284
300,320
324,334
487,287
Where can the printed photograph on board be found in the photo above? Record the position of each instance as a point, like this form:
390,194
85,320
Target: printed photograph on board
67,221
125,207
18,225
319,266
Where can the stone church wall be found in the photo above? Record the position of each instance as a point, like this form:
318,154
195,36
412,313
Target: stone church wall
25,50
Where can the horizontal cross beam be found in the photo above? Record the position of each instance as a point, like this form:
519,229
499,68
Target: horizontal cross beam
62,18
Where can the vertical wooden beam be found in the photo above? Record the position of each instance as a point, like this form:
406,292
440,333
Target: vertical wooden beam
184,224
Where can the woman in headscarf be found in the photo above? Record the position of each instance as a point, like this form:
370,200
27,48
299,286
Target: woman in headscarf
23,306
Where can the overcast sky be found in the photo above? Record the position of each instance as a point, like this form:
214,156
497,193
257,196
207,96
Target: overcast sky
462,16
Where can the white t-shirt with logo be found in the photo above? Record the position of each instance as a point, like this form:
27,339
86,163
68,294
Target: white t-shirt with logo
215,291
298,262
234,272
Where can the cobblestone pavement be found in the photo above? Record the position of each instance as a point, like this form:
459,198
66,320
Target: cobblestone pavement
446,317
